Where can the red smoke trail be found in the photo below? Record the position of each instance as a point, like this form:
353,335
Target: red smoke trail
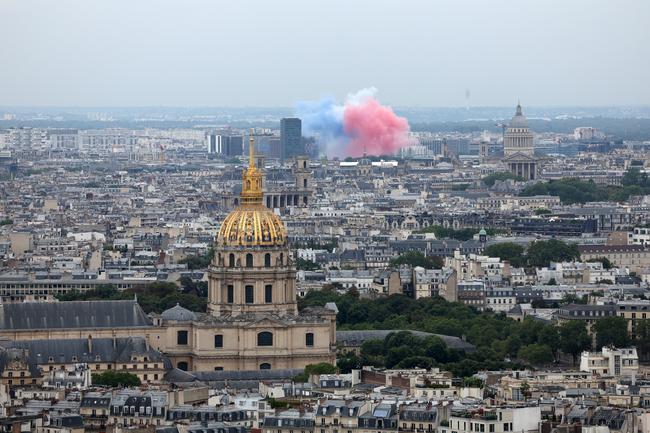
373,128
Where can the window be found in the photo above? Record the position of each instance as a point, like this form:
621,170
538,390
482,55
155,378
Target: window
282,258
265,339
182,365
231,260
267,260
265,366
218,340
218,368
249,295
230,295
249,260
309,339
268,293
181,337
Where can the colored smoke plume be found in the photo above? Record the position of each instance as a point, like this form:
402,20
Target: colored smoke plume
361,125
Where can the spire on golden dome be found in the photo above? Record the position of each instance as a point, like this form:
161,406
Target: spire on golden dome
251,193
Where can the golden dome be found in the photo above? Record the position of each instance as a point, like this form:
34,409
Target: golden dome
252,224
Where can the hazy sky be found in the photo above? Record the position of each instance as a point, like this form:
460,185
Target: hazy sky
276,52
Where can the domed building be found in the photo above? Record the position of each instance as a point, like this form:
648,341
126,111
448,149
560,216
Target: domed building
253,320
518,148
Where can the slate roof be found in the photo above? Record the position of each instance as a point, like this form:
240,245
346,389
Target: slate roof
178,314
356,338
245,379
103,350
72,315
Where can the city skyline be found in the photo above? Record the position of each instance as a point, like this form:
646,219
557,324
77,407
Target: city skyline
442,54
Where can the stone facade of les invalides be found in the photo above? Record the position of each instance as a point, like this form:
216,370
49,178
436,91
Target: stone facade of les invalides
252,320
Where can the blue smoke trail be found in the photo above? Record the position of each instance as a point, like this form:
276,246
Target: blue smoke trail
324,119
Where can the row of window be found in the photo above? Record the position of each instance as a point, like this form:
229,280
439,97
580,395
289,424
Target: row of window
264,338
182,365
249,294
249,260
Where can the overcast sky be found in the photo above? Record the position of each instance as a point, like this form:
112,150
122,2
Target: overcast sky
276,52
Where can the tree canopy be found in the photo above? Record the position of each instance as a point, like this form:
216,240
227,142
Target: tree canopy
155,297
611,331
574,338
416,258
491,179
510,251
542,253
538,254
114,378
573,190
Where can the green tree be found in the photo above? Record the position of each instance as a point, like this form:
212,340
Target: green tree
536,354
549,336
416,258
114,378
611,331
315,369
306,265
574,338
510,251
542,253
642,338
491,179
635,177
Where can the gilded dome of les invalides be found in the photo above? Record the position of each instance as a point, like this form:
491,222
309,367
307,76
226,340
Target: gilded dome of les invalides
252,224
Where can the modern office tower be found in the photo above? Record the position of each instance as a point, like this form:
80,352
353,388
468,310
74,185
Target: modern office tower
213,143
291,137
223,144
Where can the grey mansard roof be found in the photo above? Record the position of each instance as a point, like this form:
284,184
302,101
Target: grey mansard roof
356,338
87,350
72,315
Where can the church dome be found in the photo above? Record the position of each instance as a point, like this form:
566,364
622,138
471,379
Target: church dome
252,224
178,314
518,120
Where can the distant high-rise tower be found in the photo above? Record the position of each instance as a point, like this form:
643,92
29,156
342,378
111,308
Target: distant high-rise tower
291,137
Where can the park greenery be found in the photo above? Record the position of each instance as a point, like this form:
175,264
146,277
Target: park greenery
416,258
500,342
114,378
491,179
574,190
538,254
6,222
155,297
